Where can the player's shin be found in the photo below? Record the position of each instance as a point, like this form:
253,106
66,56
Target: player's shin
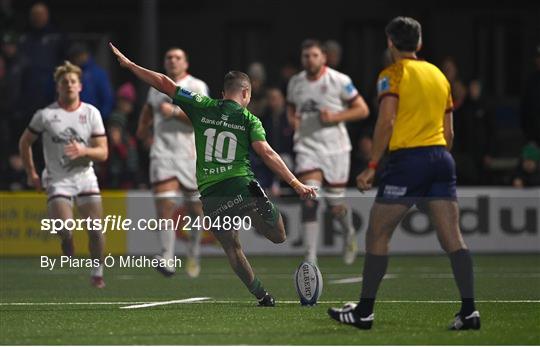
193,266
96,241
167,239
256,288
165,204
374,271
310,227
194,249
342,214
462,267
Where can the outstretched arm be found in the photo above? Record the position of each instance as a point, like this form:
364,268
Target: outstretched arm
157,80
276,164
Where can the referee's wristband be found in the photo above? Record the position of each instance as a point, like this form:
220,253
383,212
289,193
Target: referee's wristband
373,165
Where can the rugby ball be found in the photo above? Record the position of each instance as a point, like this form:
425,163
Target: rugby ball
309,283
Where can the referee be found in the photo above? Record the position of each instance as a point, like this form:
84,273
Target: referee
415,123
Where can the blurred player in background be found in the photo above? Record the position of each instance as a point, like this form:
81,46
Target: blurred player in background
320,101
415,123
172,158
224,132
73,137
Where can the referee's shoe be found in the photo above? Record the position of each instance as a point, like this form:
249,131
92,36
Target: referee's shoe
348,315
466,322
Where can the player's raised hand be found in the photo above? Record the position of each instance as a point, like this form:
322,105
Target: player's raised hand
122,59
364,180
74,150
33,181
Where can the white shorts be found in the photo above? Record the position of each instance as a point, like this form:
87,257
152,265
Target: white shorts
166,169
335,167
82,187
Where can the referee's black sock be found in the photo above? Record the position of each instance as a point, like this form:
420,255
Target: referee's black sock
462,267
374,270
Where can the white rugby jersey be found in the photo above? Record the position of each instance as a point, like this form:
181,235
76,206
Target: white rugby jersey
58,127
332,91
172,137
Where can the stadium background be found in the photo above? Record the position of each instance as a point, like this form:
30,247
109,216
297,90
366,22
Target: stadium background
493,43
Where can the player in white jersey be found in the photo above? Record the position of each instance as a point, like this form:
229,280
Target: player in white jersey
320,101
172,157
73,137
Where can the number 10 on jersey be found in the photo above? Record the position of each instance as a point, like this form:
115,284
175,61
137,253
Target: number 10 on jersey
215,145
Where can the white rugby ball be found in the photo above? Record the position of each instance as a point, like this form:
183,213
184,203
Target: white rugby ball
309,283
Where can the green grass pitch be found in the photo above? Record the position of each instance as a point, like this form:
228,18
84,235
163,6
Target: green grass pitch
416,303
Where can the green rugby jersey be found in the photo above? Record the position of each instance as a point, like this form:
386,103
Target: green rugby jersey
224,131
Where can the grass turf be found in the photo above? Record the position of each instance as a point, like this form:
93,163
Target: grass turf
231,317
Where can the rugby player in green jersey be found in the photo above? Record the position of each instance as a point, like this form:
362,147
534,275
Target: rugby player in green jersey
224,131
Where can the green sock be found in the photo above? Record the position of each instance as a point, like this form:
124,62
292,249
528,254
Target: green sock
256,288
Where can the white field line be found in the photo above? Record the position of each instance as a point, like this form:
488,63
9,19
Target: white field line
386,301
161,303
71,303
349,280
208,300
358,279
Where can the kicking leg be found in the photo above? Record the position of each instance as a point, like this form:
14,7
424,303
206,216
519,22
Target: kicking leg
237,259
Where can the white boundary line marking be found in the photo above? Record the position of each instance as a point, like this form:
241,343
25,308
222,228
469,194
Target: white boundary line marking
386,301
70,303
209,300
160,303
350,280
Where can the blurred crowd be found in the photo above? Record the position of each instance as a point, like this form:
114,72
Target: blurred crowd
485,153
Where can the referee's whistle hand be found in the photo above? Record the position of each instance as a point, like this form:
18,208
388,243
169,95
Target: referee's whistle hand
364,180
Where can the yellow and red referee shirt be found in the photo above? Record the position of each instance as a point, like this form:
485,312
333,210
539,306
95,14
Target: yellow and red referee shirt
424,98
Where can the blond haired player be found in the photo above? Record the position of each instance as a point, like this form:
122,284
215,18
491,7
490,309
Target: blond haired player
73,137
